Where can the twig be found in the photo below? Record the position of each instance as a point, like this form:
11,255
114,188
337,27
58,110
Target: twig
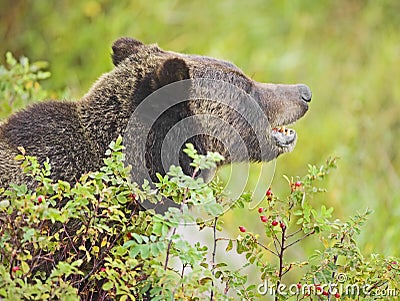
104,254
276,241
288,269
294,233
169,249
281,272
174,229
213,256
266,248
300,239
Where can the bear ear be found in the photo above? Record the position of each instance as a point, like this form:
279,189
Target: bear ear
172,70
124,47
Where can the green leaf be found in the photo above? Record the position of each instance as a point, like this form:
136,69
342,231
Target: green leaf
144,251
28,234
130,243
137,237
204,280
10,59
123,298
119,250
134,251
24,267
214,209
229,246
107,286
157,228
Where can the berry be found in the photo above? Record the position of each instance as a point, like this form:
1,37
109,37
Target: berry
394,262
263,218
40,199
274,223
298,184
132,196
299,285
260,210
337,295
318,287
14,269
269,192
129,235
325,293
282,225
102,269
242,229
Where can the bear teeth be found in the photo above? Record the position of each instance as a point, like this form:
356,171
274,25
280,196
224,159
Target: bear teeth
283,130
280,129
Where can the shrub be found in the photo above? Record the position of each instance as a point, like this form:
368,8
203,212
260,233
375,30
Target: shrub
19,83
90,240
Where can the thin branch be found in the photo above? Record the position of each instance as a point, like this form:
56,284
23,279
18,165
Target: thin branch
294,233
281,272
266,248
174,229
70,239
258,243
276,241
169,249
300,239
104,253
287,270
213,256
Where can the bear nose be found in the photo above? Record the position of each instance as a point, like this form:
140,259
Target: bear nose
305,93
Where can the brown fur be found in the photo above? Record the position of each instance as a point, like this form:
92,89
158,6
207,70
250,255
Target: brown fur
75,135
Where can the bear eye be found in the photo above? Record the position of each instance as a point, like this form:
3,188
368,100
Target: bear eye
245,83
249,87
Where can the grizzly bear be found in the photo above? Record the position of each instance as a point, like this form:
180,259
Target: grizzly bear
157,100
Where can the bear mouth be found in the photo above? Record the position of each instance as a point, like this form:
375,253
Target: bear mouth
283,136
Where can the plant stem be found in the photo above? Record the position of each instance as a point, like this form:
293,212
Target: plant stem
169,250
300,239
174,230
335,258
266,248
213,256
281,272
294,233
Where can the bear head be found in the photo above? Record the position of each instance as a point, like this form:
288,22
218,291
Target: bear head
180,98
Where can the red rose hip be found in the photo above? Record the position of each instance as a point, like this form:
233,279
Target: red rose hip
242,229
14,269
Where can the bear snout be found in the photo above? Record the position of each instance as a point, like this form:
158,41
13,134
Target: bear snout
305,92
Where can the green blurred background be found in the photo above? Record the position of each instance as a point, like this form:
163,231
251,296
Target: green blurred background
347,51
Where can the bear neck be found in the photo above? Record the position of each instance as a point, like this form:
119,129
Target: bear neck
105,110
